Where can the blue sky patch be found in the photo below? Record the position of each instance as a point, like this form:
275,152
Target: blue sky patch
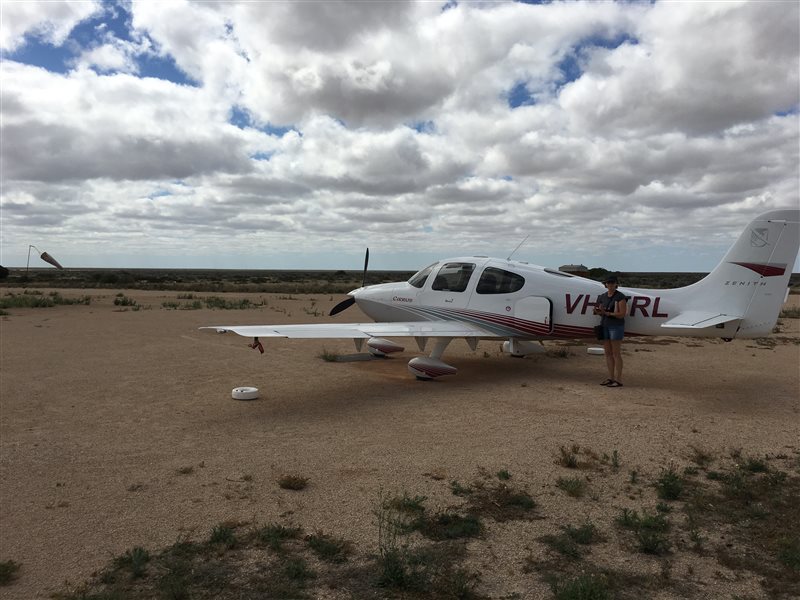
570,68
37,53
163,67
423,126
114,19
241,118
519,95
604,41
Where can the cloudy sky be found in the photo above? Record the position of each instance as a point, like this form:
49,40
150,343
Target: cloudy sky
634,136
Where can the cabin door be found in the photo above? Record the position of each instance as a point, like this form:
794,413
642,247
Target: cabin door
538,311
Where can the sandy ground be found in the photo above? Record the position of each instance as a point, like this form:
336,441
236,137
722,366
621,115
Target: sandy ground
101,408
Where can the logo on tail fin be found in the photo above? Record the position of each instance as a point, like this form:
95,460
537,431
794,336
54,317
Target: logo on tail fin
764,269
758,237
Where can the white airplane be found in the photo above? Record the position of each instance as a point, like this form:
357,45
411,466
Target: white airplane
482,298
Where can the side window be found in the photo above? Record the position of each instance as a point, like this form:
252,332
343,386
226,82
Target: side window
498,281
453,277
420,277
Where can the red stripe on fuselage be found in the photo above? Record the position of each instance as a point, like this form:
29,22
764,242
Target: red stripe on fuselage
529,327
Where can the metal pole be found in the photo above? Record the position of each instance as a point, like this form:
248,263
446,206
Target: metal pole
27,264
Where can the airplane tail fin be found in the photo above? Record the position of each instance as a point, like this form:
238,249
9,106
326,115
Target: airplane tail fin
750,284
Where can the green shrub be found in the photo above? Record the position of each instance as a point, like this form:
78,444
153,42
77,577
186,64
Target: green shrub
328,356
329,548
25,301
789,553
274,535
584,534
649,530
459,490
568,458
292,482
223,535
573,486
407,504
583,587
123,300
9,571
449,526
136,560
669,484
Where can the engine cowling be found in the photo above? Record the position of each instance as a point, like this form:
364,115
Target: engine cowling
424,367
382,347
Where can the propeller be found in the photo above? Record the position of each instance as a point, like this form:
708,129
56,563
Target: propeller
348,302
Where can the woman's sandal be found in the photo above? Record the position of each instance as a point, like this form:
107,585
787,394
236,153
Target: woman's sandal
614,384
607,382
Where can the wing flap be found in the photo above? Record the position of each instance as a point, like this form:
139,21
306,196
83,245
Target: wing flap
698,319
358,330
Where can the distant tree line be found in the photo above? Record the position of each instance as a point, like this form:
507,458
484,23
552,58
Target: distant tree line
282,281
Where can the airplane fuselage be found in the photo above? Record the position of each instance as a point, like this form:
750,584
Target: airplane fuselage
547,304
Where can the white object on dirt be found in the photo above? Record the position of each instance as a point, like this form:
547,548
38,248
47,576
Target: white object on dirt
244,393
596,350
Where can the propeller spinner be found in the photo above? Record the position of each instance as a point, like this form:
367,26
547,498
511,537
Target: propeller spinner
348,302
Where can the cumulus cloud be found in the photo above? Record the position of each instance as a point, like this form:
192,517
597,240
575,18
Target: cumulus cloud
113,55
701,69
411,123
84,126
50,21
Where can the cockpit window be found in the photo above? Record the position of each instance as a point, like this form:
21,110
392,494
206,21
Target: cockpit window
420,277
453,277
498,281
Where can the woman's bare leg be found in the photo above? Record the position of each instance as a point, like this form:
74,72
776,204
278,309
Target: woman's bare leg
608,350
616,361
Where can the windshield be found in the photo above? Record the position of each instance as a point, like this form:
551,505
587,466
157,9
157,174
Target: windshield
420,277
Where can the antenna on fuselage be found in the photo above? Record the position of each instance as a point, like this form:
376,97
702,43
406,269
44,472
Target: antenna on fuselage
518,246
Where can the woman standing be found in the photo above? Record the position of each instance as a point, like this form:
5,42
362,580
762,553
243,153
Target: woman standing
612,306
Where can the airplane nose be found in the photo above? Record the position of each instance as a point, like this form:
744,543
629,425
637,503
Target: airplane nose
349,301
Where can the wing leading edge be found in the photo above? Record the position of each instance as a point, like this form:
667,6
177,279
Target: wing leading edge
359,330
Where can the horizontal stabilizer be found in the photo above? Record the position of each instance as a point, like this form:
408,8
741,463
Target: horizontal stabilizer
698,319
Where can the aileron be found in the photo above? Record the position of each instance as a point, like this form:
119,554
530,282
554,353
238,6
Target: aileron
696,319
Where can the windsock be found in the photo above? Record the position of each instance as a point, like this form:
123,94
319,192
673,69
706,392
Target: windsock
49,259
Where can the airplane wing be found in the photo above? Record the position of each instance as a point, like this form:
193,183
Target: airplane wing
359,330
698,319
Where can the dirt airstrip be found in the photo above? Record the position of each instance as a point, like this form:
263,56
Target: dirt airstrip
117,429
